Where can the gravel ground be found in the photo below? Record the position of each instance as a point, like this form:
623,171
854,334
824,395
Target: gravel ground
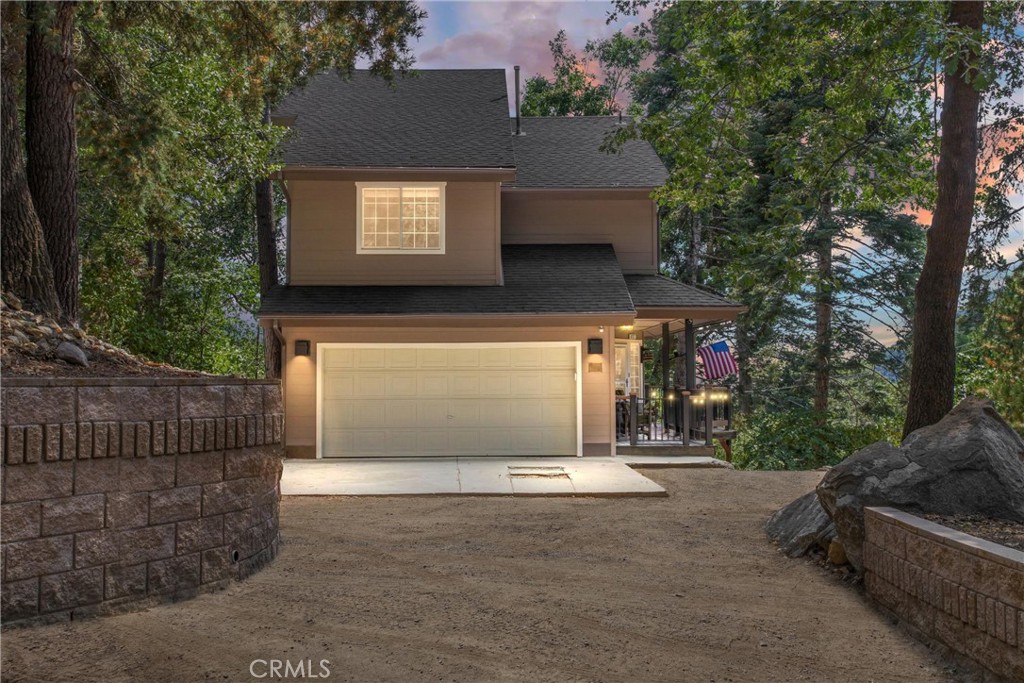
684,588
1001,531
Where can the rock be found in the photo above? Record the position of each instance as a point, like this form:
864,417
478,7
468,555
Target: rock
969,463
800,526
836,553
70,353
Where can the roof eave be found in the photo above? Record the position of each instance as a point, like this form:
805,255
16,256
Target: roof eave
302,171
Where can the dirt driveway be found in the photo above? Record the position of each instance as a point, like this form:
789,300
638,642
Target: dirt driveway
683,588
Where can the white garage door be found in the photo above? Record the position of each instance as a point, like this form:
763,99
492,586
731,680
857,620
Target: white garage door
437,400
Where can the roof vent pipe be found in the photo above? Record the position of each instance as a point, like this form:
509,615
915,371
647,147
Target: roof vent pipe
518,126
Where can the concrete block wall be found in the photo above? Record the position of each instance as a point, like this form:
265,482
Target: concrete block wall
961,590
119,493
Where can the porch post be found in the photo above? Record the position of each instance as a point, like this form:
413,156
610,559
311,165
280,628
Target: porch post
666,340
709,417
691,377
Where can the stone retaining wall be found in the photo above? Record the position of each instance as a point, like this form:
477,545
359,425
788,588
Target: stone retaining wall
961,590
118,492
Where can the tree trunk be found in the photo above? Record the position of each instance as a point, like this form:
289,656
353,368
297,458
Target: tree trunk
823,311
51,141
744,389
156,254
695,246
933,357
266,239
25,267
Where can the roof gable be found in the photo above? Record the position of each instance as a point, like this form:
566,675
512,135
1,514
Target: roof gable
444,118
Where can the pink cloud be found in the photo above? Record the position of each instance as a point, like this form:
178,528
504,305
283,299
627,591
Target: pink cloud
504,34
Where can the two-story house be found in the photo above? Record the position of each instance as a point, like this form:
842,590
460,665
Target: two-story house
456,287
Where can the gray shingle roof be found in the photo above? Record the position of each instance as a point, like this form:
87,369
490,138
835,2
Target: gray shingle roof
566,152
433,118
660,291
548,279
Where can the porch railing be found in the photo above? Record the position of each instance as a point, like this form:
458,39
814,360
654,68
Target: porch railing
704,414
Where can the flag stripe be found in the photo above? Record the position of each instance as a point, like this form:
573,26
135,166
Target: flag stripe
718,362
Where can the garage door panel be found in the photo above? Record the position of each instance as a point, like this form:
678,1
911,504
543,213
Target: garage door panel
559,442
338,359
435,401
432,358
465,441
528,440
401,358
338,411
465,383
432,385
370,385
495,384
564,358
463,413
527,384
559,412
495,358
495,413
338,385
463,358
401,383
562,384
369,414
368,359
338,441
495,440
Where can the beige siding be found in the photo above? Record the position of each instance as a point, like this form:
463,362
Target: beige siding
627,220
300,373
322,239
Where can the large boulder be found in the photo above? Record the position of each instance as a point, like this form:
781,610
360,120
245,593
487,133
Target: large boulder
800,526
969,463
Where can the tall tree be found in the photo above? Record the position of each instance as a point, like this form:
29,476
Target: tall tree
933,359
25,266
266,239
51,141
573,91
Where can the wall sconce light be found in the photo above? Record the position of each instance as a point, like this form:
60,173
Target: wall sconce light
600,328
595,345
301,347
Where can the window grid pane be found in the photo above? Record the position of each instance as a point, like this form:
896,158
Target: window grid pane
402,218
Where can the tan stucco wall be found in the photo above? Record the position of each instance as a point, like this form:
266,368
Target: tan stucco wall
322,239
300,373
627,220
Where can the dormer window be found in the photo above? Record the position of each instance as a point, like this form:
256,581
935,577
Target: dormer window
399,218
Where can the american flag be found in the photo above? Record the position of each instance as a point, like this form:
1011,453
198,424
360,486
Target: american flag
718,360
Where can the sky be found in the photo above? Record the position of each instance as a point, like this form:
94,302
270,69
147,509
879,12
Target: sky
464,35
500,34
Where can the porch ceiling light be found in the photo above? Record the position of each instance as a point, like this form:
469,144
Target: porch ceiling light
627,328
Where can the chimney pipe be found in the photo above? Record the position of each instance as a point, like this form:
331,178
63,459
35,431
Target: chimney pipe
518,126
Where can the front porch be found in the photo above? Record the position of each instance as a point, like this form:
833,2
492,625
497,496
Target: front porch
661,402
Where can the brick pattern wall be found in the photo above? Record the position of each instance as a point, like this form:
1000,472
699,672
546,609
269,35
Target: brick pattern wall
963,591
123,493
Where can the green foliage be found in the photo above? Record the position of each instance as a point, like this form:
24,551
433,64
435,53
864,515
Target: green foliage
798,440
172,140
573,91
991,362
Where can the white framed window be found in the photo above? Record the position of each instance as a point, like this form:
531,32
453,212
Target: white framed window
400,218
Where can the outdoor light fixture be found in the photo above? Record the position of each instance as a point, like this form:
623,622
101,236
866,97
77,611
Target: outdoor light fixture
301,347
600,328
627,328
595,345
